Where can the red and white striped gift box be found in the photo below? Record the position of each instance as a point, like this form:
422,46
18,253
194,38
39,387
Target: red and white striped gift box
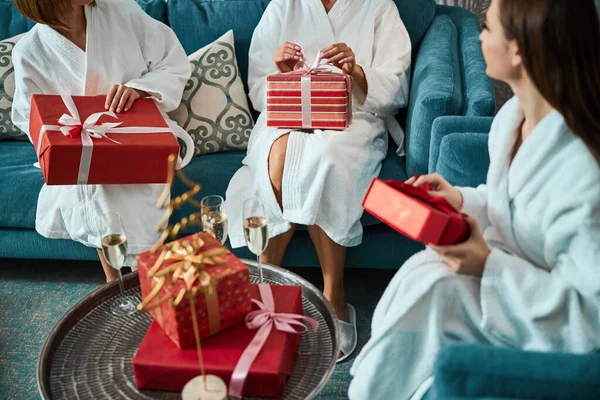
309,101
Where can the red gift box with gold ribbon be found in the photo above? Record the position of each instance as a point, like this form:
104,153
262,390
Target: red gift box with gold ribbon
415,213
79,142
197,265
255,359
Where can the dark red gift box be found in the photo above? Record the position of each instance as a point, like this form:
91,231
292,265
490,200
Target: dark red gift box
160,365
138,157
416,214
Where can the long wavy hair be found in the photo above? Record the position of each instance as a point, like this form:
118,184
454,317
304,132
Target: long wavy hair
560,45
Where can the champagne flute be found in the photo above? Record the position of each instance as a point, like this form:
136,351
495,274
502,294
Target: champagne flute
214,217
114,249
256,230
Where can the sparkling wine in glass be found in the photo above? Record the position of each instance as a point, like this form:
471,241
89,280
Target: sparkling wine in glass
214,217
256,230
114,249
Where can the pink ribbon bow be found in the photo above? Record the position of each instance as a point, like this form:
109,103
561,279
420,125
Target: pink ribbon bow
316,68
264,319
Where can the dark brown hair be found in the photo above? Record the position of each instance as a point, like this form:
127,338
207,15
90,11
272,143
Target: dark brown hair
46,12
559,41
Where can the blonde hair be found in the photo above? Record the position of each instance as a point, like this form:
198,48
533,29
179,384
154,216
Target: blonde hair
46,12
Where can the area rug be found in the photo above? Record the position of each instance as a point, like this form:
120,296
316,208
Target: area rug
34,294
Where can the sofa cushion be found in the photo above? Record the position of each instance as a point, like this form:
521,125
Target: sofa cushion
157,9
214,171
200,22
464,159
20,184
477,85
214,108
12,22
436,90
417,16
8,131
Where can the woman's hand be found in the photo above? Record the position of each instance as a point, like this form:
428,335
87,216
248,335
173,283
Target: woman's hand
287,56
439,187
341,56
344,58
466,258
121,98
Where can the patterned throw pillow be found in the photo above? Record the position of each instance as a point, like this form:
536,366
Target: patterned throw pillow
7,90
214,109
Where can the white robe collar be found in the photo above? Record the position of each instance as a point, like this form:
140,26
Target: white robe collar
325,21
70,51
537,148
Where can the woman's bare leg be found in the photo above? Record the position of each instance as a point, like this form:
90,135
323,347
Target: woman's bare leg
278,245
332,258
110,272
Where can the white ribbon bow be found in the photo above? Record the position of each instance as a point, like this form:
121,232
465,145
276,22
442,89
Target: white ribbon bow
90,127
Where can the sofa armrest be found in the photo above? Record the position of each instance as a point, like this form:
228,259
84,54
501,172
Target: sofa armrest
478,89
473,371
464,159
436,89
447,125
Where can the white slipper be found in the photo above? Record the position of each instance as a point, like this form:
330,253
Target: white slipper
348,335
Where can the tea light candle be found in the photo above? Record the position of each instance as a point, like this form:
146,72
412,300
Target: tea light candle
198,389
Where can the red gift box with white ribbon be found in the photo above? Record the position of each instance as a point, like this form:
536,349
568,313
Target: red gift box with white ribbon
79,142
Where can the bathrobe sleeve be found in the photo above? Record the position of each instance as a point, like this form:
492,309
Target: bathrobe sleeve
168,66
25,88
265,42
388,74
475,204
550,309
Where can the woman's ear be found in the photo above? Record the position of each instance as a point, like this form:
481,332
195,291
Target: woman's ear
516,59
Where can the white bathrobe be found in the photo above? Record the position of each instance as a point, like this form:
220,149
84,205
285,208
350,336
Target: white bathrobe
124,46
326,173
540,289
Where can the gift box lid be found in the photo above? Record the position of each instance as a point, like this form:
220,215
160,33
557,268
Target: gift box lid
413,216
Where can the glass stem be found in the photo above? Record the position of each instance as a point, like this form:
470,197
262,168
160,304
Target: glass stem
260,274
121,285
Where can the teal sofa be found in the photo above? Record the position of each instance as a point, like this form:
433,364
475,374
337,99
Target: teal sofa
448,79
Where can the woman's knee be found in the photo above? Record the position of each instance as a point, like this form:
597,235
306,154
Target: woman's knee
277,161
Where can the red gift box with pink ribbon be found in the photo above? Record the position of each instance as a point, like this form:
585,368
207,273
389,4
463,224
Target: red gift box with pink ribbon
415,213
254,359
310,98
79,142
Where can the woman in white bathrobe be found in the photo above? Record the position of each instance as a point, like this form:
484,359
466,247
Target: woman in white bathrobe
529,276
85,47
319,178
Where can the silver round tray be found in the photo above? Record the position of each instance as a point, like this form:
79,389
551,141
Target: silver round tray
88,354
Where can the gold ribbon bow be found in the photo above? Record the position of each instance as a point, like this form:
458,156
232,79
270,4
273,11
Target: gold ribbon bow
190,266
